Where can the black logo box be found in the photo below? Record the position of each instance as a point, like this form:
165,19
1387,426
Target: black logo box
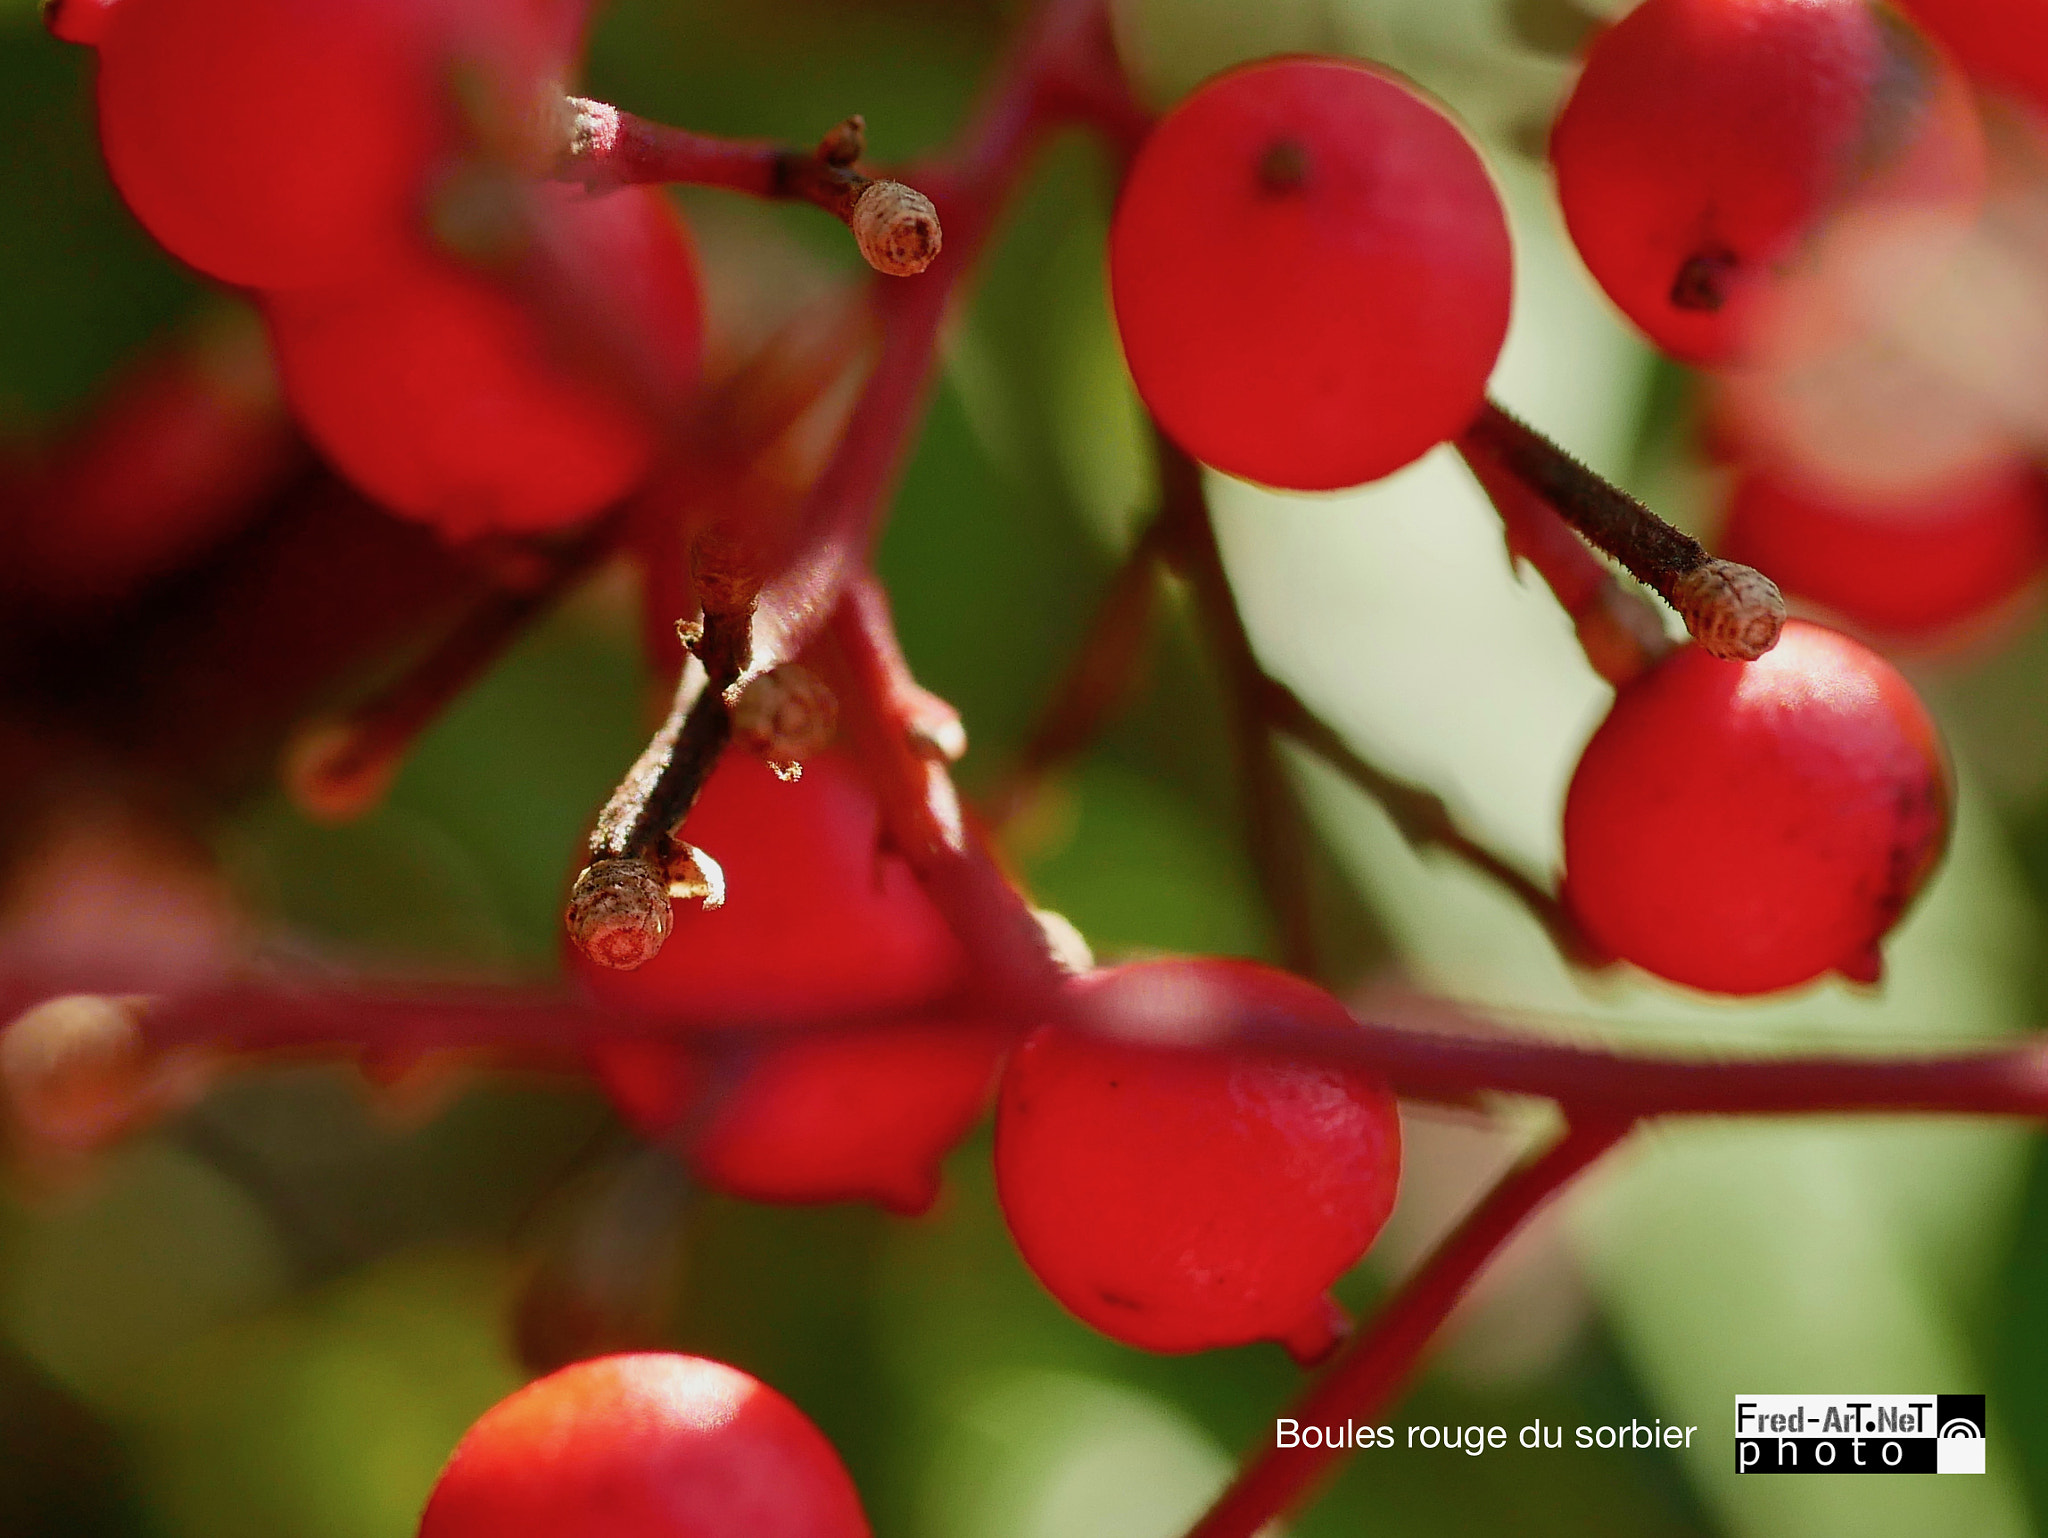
1857,1455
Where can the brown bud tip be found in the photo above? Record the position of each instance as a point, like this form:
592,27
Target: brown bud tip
1734,611
896,228
693,876
786,714
334,774
619,914
844,143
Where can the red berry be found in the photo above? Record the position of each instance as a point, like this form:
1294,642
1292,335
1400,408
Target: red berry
652,1445
821,924
2001,42
188,444
866,1116
1708,143
444,395
1311,274
821,921
1747,826
280,143
1181,1199
1903,566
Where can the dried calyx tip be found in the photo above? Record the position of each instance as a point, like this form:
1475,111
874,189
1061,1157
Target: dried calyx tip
1734,611
693,876
896,228
844,143
619,913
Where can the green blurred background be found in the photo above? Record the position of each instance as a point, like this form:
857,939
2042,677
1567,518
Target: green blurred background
275,1315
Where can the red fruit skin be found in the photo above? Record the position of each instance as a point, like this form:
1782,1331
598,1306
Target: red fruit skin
821,922
446,397
285,143
1324,334
863,1117
650,1445
1735,129
1742,827
79,21
1912,567
2004,43
184,448
1179,1200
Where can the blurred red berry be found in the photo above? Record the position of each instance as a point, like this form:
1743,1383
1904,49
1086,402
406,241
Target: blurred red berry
1742,827
867,1116
1180,1199
822,921
652,1445
2003,43
1908,567
446,395
283,143
1311,274
1708,143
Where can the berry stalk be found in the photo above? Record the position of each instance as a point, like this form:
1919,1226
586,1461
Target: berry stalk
1734,611
1364,1380
895,225
338,768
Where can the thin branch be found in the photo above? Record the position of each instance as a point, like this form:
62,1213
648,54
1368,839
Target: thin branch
339,768
1276,825
286,1011
895,225
1421,817
1618,629
1101,677
1732,610
1362,1382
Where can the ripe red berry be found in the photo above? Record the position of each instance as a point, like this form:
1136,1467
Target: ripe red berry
280,143
1708,143
446,396
821,920
2001,43
1911,566
821,924
1180,1199
865,1116
652,1445
1747,826
1311,274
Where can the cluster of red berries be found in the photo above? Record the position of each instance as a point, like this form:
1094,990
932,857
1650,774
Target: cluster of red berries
374,170
1862,479
1312,276
1716,164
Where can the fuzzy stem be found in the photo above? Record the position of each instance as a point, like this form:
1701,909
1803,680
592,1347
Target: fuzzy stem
896,226
1730,609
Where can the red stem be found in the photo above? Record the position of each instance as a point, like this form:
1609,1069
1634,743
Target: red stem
1364,1380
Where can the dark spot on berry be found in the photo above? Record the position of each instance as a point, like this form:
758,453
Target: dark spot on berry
1703,279
1284,166
1118,1300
